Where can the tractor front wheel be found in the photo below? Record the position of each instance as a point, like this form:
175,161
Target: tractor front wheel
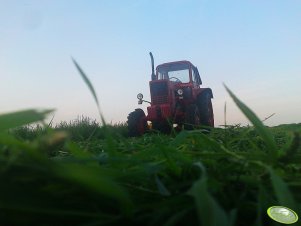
137,124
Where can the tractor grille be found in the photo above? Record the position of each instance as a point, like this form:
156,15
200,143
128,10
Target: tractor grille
159,92
160,100
187,93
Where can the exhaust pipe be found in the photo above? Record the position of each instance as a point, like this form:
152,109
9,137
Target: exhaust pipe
153,67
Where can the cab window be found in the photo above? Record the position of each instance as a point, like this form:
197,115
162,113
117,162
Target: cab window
194,77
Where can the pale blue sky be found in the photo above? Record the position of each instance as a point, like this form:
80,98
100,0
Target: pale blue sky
253,46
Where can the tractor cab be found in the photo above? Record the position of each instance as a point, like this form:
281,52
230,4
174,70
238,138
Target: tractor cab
179,72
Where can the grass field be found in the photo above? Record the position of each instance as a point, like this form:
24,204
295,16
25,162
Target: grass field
81,173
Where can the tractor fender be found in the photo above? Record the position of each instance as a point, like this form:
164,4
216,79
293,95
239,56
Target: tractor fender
141,112
204,91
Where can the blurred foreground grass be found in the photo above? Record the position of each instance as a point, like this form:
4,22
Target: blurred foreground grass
81,173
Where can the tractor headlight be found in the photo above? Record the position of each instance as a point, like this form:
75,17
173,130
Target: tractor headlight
180,92
140,96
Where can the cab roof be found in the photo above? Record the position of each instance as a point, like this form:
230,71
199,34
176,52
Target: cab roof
183,64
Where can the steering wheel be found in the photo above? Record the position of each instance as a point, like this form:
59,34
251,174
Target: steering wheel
177,80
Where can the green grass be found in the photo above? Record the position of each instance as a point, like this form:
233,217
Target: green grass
82,173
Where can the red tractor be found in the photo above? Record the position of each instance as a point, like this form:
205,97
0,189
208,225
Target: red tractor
176,100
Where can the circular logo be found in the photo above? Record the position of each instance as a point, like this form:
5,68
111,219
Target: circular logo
282,214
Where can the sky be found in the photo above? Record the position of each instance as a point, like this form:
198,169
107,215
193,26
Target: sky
252,46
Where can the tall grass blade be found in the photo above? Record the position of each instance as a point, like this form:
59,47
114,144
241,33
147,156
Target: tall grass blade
208,210
161,187
93,178
261,205
225,115
283,194
291,152
91,88
176,217
20,118
261,129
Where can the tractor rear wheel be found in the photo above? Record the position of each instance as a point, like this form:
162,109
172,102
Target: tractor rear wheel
192,117
137,124
205,109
